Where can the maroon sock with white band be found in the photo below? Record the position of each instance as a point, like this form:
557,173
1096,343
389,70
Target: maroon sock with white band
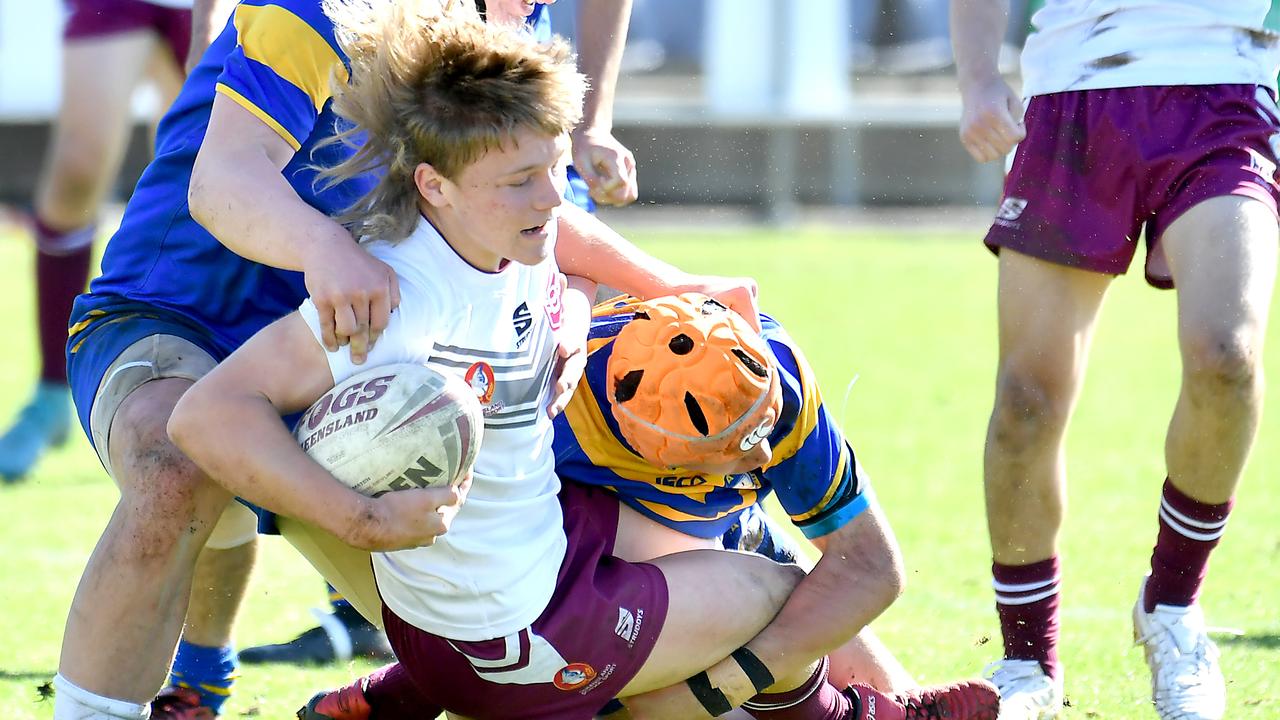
1027,603
62,271
1189,531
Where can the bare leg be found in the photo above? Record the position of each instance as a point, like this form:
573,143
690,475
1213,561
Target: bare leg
128,610
1047,318
98,76
1222,254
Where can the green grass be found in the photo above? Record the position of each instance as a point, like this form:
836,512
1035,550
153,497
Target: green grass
912,317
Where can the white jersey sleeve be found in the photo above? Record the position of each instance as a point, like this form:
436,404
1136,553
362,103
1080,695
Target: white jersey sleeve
1096,44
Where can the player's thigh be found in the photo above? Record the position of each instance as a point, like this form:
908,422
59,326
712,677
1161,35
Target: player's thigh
1047,316
717,601
640,539
1222,254
347,569
99,75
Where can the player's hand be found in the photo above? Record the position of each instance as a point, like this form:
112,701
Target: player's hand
606,165
354,294
406,519
991,122
740,294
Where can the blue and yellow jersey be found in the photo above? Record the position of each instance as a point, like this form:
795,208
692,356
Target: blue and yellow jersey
813,471
275,59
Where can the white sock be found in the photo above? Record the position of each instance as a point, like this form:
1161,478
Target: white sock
72,702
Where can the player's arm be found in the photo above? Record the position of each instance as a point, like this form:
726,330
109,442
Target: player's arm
991,119
229,424
207,19
240,196
605,164
589,248
858,577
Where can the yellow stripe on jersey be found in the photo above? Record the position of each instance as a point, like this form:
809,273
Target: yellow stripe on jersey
259,113
810,401
596,439
289,46
831,489
86,322
670,513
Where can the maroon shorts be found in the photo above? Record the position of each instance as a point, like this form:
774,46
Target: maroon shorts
592,638
99,18
1099,165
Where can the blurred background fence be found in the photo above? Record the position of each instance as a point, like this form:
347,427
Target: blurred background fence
763,103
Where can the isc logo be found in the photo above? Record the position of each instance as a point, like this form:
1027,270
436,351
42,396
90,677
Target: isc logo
347,399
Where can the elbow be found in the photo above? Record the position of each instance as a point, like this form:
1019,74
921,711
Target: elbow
199,192
183,425
891,576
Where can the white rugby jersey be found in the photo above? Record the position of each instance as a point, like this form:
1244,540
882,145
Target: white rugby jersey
493,573
1092,44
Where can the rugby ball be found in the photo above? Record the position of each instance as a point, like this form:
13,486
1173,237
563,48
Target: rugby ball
395,427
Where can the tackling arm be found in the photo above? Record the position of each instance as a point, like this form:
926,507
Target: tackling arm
589,248
858,577
239,195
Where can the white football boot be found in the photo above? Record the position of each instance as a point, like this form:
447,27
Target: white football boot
1026,692
1186,682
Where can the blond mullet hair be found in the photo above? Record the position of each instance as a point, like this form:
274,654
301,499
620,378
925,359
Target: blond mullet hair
432,83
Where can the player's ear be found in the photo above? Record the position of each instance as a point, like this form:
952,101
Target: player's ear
430,184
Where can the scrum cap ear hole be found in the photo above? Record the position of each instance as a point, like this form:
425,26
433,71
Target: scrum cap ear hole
640,315
695,414
681,344
752,364
626,388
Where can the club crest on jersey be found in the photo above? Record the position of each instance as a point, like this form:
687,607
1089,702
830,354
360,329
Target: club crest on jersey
573,676
555,300
522,321
481,379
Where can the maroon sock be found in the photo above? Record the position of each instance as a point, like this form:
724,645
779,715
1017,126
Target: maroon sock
392,694
816,699
1027,603
62,270
1189,530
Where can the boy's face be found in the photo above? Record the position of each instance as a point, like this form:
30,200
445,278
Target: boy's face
503,206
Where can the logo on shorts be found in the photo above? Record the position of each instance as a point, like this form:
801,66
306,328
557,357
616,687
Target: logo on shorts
573,676
481,379
1011,209
628,627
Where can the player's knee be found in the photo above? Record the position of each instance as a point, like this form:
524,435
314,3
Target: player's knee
165,494
1027,408
777,580
77,181
1222,364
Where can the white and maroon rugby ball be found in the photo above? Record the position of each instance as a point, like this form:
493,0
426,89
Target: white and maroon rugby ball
395,427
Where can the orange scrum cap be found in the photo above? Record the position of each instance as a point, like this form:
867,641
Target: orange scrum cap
691,383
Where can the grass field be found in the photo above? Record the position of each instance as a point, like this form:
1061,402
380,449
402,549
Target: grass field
911,315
